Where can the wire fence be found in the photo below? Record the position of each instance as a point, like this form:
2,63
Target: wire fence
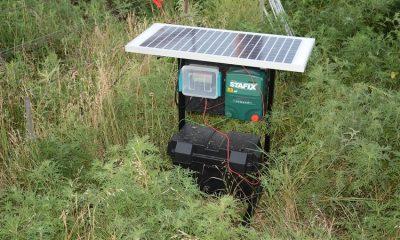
11,10
37,40
30,42
28,114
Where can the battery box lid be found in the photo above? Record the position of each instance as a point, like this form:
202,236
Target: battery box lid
200,81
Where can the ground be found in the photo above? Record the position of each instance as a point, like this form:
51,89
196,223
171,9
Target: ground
84,125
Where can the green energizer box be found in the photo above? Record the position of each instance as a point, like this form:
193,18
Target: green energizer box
244,93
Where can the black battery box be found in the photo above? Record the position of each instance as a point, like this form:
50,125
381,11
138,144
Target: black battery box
204,151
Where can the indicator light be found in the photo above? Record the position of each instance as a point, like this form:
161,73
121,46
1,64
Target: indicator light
255,118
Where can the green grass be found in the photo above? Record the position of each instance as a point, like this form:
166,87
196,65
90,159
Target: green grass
97,168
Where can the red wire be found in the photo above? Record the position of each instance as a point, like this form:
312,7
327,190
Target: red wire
216,105
230,170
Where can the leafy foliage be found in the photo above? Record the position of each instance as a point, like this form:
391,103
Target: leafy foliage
125,196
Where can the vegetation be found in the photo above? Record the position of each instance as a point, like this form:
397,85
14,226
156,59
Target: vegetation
93,166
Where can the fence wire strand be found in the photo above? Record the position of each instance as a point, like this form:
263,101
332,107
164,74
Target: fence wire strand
43,37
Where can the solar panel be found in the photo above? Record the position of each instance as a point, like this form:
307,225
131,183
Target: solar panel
266,51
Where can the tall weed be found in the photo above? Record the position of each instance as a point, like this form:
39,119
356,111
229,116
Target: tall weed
334,169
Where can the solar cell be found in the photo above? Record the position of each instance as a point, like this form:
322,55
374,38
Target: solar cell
284,50
233,44
192,41
256,51
241,46
275,49
169,37
161,37
154,36
213,47
201,41
178,37
292,51
224,46
246,52
181,42
266,48
213,38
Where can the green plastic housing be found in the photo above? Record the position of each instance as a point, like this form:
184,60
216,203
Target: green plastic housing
244,94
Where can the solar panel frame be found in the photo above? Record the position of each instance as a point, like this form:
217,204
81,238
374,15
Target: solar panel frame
296,62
